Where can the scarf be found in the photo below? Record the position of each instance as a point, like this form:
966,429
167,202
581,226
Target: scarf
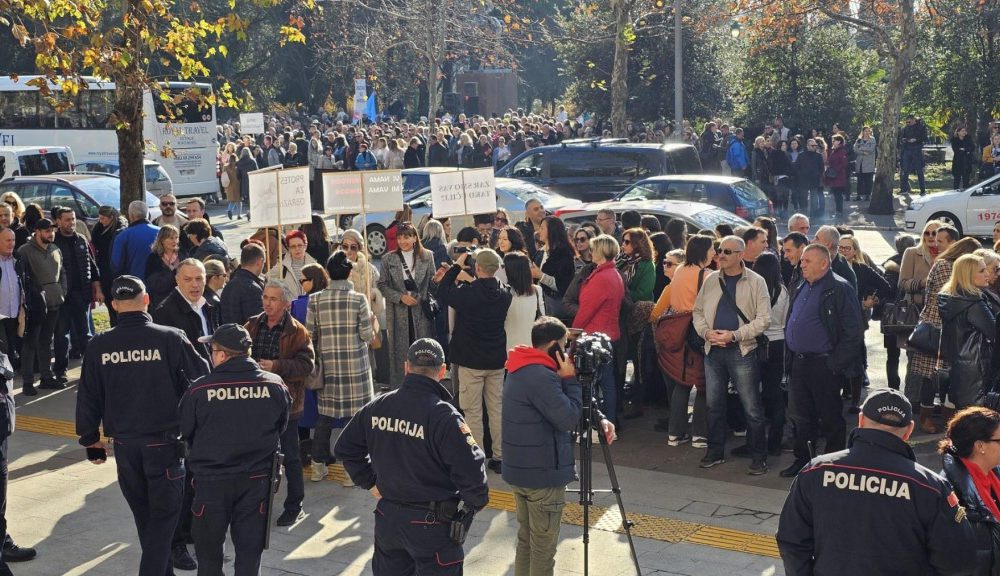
988,486
627,265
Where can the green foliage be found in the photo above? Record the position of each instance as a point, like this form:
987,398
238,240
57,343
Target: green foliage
821,78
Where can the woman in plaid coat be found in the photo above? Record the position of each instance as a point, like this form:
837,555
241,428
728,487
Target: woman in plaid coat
405,282
921,369
340,323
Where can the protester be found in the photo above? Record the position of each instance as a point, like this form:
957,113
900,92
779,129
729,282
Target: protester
297,256
319,245
527,304
242,296
83,291
44,295
186,308
132,246
893,272
161,264
772,370
968,332
555,270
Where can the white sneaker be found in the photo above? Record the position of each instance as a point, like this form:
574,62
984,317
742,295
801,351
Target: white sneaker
319,471
699,442
678,440
347,482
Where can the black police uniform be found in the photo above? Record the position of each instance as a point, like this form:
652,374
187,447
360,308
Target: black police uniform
871,509
417,449
232,420
132,379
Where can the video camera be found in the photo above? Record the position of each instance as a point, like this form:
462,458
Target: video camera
590,352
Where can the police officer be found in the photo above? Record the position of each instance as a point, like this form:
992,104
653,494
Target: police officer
232,420
132,379
871,509
414,452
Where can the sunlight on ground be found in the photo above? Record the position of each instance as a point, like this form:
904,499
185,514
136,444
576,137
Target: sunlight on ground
106,553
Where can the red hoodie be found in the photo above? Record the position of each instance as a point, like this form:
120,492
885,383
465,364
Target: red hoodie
522,356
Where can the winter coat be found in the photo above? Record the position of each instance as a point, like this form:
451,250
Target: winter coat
339,321
160,279
921,364
399,315
103,239
736,156
865,151
242,297
808,169
968,332
837,162
571,299
965,154
295,358
760,172
131,247
243,168
479,340
175,311
412,159
233,189
601,297
986,527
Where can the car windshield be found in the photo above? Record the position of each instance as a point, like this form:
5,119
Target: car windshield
105,191
644,191
415,181
524,192
748,192
714,216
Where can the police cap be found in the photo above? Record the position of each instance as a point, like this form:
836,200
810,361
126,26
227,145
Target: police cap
127,288
231,337
888,407
425,352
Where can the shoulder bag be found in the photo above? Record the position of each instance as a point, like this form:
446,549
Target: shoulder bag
428,304
901,316
762,341
925,338
696,342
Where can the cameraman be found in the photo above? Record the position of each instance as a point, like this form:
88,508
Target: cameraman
542,401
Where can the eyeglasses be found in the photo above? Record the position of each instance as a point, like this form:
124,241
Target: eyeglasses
845,248
168,203
351,247
930,233
668,264
581,239
730,251
296,246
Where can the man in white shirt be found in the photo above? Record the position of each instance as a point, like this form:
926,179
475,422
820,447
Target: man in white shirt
10,296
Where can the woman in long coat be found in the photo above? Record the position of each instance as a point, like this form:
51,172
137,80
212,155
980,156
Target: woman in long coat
405,282
340,324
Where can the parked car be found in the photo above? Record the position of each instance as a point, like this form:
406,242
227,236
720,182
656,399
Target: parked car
697,215
34,160
158,182
592,170
734,194
511,195
973,211
416,179
85,193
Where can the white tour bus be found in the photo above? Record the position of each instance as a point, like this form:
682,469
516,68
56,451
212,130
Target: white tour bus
26,119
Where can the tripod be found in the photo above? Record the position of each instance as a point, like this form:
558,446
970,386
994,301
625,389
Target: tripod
586,490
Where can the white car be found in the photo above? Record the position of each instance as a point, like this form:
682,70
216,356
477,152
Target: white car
973,211
697,215
511,196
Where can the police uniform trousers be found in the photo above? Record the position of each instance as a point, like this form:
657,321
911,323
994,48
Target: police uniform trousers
413,541
814,400
4,570
151,476
237,504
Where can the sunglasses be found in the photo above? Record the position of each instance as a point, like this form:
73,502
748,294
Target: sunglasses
668,264
168,203
626,242
930,233
581,239
730,251
501,220
351,247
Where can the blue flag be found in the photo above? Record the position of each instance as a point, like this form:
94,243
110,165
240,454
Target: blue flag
370,110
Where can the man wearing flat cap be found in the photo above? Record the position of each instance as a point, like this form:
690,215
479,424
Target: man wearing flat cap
232,420
871,509
414,452
132,378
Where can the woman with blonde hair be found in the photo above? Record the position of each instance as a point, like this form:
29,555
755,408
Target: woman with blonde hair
968,331
161,264
16,204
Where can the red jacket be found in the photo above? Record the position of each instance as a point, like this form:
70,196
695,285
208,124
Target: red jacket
601,301
837,161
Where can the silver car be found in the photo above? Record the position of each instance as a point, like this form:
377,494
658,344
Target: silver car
511,196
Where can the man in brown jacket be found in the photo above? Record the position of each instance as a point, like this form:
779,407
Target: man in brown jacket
282,345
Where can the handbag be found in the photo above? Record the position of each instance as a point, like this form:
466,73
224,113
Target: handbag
429,304
901,316
925,338
830,173
675,355
763,342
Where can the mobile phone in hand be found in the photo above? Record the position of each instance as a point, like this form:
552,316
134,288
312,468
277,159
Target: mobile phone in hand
94,454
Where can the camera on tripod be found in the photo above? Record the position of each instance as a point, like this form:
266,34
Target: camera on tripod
590,352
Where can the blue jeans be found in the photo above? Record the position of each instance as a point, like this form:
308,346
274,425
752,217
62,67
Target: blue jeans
722,366
605,381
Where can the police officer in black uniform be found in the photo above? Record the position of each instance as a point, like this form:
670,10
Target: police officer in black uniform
132,379
871,509
232,420
413,451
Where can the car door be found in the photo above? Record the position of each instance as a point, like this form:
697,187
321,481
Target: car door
982,210
531,168
157,181
34,193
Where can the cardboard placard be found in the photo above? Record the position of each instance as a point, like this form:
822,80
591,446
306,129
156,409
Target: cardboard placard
289,187
447,194
383,190
342,192
480,191
252,123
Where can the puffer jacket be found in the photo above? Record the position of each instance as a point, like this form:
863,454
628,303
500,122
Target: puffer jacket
967,335
986,527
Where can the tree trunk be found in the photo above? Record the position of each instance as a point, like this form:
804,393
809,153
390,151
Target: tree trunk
885,168
128,110
619,71
435,50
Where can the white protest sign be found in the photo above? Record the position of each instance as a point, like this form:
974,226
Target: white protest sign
447,194
264,197
480,191
383,190
342,192
360,98
293,191
252,123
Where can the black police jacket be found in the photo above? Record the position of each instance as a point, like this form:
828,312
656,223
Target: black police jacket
232,419
986,526
840,314
132,379
415,447
872,510
175,311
